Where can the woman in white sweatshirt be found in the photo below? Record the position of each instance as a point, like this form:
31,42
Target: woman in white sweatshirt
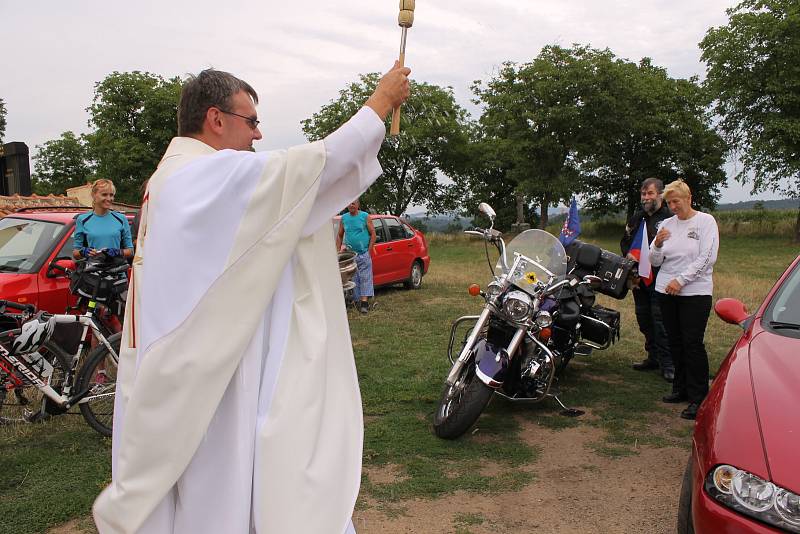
686,248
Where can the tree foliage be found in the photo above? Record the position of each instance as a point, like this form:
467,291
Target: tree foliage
533,125
580,120
754,76
60,164
133,116
2,120
431,144
648,124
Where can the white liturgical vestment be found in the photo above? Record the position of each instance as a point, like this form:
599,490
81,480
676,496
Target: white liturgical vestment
237,404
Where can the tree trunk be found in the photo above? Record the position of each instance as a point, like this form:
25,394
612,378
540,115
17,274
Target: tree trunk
543,211
797,227
520,198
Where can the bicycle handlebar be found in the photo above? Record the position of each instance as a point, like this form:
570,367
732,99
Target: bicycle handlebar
27,308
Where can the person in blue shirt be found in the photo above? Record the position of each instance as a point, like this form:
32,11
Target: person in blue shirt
359,235
102,229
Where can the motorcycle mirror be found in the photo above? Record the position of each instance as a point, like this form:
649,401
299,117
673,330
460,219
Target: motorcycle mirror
487,210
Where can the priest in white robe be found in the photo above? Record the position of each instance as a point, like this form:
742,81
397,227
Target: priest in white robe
237,404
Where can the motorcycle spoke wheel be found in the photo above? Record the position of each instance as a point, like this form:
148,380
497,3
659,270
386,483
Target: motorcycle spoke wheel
461,404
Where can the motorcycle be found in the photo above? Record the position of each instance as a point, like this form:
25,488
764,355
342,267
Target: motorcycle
539,313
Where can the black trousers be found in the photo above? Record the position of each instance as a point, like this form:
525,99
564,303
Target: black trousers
685,319
648,315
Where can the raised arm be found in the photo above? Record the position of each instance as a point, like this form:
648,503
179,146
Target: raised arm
351,163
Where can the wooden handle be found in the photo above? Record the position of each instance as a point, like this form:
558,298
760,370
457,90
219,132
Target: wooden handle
395,129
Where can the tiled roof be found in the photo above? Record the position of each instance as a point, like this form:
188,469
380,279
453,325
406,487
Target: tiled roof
13,203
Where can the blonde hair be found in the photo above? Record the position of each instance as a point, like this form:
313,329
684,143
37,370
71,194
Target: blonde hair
101,183
677,188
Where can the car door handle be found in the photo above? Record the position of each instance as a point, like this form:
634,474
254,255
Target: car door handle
410,245
388,248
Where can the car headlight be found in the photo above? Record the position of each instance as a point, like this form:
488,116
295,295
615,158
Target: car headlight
544,319
517,305
755,497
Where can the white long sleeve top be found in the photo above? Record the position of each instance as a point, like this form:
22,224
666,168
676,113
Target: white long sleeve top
689,254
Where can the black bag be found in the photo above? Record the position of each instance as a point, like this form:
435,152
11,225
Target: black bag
93,281
600,325
614,270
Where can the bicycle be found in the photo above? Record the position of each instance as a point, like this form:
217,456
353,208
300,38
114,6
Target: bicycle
57,380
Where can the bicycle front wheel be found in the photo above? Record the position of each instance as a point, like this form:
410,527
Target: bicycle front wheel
99,376
26,403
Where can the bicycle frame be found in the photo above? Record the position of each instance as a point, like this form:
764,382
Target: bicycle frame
64,400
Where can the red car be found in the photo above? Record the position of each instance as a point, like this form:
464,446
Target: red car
401,253
30,241
744,471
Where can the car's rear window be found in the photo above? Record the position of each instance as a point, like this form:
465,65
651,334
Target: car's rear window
782,315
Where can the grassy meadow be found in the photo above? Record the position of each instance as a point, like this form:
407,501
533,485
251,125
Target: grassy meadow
51,472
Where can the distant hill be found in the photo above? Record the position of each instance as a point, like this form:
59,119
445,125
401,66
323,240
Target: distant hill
785,204
438,223
449,223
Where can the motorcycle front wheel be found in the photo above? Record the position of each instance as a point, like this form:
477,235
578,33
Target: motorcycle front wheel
461,404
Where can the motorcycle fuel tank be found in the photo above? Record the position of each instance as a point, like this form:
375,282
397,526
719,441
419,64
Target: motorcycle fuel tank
491,363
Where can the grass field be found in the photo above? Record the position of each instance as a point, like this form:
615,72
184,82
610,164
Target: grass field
52,472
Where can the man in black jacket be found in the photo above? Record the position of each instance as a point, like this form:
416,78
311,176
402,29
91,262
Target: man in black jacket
648,312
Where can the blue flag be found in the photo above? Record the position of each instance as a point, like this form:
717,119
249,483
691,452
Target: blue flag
572,225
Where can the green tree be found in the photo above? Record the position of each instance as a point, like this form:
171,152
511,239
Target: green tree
649,125
60,164
2,120
416,164
754,75
133,116
534,126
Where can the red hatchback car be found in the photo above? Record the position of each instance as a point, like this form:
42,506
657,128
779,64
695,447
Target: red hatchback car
401,252
30,241
744,471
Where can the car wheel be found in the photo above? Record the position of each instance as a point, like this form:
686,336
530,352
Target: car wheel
685,525
415,279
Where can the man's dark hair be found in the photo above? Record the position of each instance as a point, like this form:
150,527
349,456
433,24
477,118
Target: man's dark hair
210,88
653,181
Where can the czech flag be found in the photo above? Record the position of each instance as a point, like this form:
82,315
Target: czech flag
640,249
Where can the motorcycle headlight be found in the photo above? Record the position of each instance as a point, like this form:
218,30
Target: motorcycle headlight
753,496
493,290
544,319
517,306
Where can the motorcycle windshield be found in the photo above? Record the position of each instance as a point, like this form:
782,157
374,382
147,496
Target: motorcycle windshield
542,258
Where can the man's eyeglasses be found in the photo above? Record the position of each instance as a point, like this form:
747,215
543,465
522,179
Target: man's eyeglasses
253,123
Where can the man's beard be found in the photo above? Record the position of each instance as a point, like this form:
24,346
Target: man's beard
649,206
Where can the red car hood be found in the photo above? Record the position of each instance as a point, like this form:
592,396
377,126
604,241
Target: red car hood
775,369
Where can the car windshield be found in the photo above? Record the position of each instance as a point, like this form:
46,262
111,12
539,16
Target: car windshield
783,312
24,243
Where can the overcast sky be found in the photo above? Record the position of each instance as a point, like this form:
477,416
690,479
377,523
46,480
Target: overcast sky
299,54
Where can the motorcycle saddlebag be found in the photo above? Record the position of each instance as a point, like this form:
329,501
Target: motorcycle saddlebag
600,325
615,272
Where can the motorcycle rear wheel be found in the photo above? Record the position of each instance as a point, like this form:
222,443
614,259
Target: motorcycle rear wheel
461,404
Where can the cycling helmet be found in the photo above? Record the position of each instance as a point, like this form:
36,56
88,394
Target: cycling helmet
33,334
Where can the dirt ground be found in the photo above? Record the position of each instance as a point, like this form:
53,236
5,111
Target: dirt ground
574,490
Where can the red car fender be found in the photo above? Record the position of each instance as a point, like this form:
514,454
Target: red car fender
729,410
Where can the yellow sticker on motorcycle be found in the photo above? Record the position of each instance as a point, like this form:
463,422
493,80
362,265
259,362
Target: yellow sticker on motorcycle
531,277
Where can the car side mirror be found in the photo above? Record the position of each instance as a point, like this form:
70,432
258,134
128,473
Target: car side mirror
60,268
731,311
